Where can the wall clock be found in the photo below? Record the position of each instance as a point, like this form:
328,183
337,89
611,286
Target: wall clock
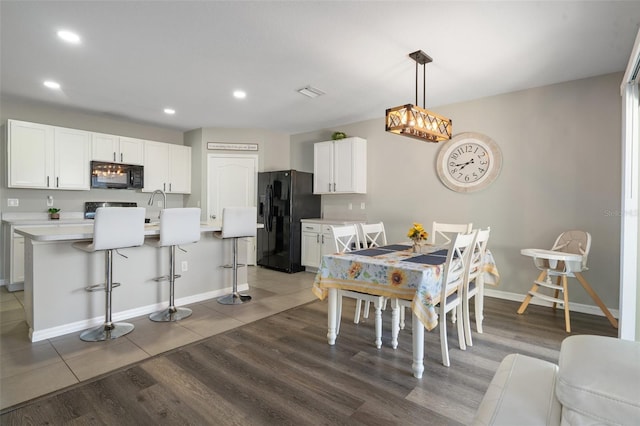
469,162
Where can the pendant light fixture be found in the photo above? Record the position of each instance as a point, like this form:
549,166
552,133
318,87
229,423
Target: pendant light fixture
414,121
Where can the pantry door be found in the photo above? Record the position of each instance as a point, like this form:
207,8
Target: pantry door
231,182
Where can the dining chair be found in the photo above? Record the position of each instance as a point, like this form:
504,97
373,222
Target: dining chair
451,292
559,263
441,232
346,239
474,284
373,235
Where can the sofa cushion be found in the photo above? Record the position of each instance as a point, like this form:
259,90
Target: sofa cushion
599,380
522,392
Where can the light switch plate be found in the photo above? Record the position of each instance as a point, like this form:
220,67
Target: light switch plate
13,202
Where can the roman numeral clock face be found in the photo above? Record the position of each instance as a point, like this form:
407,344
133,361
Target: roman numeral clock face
469,162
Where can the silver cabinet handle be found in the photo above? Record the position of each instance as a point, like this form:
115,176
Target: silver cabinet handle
317,239
121,157
334,187
164,186
329,187
169,186
114,156
57,182
213,216
47,181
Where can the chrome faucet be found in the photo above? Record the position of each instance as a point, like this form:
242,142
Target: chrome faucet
164,199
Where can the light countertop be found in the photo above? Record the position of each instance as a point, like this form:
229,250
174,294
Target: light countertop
332,221
72,232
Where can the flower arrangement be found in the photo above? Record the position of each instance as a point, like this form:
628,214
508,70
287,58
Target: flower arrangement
417,233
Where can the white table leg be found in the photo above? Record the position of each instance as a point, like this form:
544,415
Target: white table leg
331,316
395,322
479,303
378,307
418,348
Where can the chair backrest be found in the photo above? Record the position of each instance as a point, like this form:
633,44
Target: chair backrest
345,238
179,226
456,266
476,262
239,222
373,234
439,231
118,227
576,242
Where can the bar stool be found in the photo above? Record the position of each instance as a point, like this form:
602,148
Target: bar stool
177,226
114,228
237,222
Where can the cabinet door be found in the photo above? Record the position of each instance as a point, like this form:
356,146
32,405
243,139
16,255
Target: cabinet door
72,148
311,249
131,151
30,155
17,259
350,165
179,169
156,161
104,147
323,167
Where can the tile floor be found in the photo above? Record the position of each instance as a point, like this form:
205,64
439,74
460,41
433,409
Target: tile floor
29,370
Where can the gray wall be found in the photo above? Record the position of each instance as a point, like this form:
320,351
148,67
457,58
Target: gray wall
561,170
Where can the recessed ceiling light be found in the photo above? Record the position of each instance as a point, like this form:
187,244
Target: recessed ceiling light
69,36
169,111
52,84
239,94
311,92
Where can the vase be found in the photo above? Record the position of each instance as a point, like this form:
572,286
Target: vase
416,247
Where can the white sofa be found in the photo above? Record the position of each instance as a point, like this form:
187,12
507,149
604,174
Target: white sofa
596,382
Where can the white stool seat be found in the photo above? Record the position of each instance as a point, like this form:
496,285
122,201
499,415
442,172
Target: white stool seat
177,226
237,222
114,228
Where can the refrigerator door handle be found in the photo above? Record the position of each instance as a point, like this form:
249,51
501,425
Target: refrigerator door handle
268,203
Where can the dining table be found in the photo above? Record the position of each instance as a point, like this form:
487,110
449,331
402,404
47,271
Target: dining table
396,271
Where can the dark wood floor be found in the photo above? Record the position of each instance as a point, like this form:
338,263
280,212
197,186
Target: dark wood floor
280,370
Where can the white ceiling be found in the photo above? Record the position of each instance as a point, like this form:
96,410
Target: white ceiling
138,57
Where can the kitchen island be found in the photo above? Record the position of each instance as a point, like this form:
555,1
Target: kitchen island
56,275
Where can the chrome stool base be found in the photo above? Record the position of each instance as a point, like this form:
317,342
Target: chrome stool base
234,299
106,332
169,314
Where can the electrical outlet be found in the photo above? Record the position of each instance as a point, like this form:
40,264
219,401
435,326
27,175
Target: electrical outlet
362,205
13,202
49,201
350,206
185,266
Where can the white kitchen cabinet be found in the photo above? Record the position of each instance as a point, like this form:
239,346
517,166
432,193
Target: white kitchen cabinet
117,149
340,167
316,242
167,167
47,157
17,260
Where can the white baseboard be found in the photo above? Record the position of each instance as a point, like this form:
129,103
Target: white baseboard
60,330
574,307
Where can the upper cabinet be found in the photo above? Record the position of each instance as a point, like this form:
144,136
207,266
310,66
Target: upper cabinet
117,149
340,166
167,167
47,157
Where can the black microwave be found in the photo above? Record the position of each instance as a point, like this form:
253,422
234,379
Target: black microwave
115,175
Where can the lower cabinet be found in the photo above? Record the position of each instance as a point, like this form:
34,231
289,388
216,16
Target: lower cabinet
317,241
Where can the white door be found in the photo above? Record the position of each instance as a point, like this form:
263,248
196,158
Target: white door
231,182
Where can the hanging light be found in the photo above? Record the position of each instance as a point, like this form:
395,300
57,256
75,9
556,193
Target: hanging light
414,121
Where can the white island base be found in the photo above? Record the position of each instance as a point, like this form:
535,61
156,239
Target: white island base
56,275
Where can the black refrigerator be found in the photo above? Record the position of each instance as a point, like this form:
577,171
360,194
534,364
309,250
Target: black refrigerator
284,197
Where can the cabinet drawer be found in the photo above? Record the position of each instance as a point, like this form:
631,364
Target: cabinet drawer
326,229
311,227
